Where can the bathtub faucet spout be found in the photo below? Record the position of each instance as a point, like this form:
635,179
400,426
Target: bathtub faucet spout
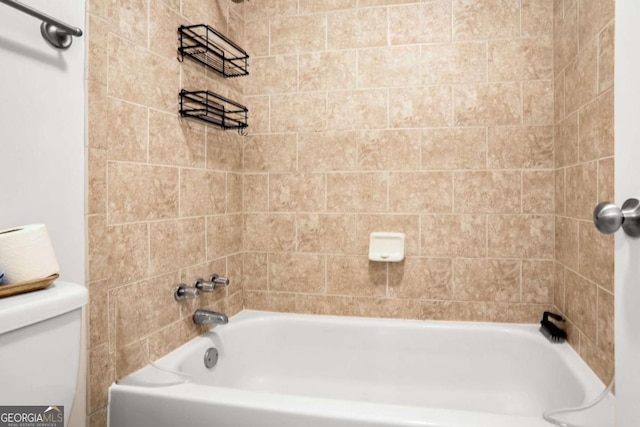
208,317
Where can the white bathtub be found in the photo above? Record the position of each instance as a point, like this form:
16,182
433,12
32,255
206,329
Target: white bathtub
287,370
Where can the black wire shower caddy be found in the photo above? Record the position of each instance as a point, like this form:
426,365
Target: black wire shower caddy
212,49
213,109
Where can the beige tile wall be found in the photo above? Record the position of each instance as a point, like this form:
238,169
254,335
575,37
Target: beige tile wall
164,194
431,118
584,142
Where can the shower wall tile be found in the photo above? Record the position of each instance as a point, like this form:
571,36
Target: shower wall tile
492,104
224,235
302,273
297,192
538,102
97,39
535,18
560,192
127,136
269,232
390,149
592,17
96,181
582,190
596,129
356,28
422,278
522,147
294,34
428,106
584,145
581,304
606,309
485,19
453,236
487,192
425,22
164,194
299,112
255,270
353,110
272,74
224,151
163,24
486,280
140,192
520,236
388,66
312,67
606,58
596,256
355,276
357,192
558,98
269,8
270,153
581,78
255,196
234,192
521,59
256,41
538,192
97,127
606,180
124,18
327,233
310,6
454,63
538,281
565,32
566,141
327,151
421,192
455,148
176,244
567,235
175,141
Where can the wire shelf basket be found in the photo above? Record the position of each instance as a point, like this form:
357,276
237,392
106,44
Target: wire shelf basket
213,109
210,48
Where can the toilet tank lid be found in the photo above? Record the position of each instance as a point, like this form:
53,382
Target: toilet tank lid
26,309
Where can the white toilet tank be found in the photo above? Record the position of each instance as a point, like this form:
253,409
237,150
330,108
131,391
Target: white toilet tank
40,346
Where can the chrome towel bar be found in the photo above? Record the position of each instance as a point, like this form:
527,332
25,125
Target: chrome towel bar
55,32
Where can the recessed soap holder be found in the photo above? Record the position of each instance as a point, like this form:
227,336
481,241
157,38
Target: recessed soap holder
386,246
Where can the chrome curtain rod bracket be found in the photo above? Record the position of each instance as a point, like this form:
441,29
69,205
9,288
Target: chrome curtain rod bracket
55,32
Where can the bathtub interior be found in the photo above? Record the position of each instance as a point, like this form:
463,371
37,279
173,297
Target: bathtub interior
491,368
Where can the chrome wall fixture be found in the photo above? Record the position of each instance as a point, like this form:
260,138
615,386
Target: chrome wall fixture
214,282
55,32
608,218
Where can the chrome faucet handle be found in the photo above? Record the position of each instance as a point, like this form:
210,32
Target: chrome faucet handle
203,285
219,281
184,292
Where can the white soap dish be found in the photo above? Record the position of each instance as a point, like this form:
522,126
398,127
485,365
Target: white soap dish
386,247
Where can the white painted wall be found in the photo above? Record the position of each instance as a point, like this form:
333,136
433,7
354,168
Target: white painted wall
42,131
42,118
627,158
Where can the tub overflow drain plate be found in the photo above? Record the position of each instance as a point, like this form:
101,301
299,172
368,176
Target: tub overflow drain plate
210,358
